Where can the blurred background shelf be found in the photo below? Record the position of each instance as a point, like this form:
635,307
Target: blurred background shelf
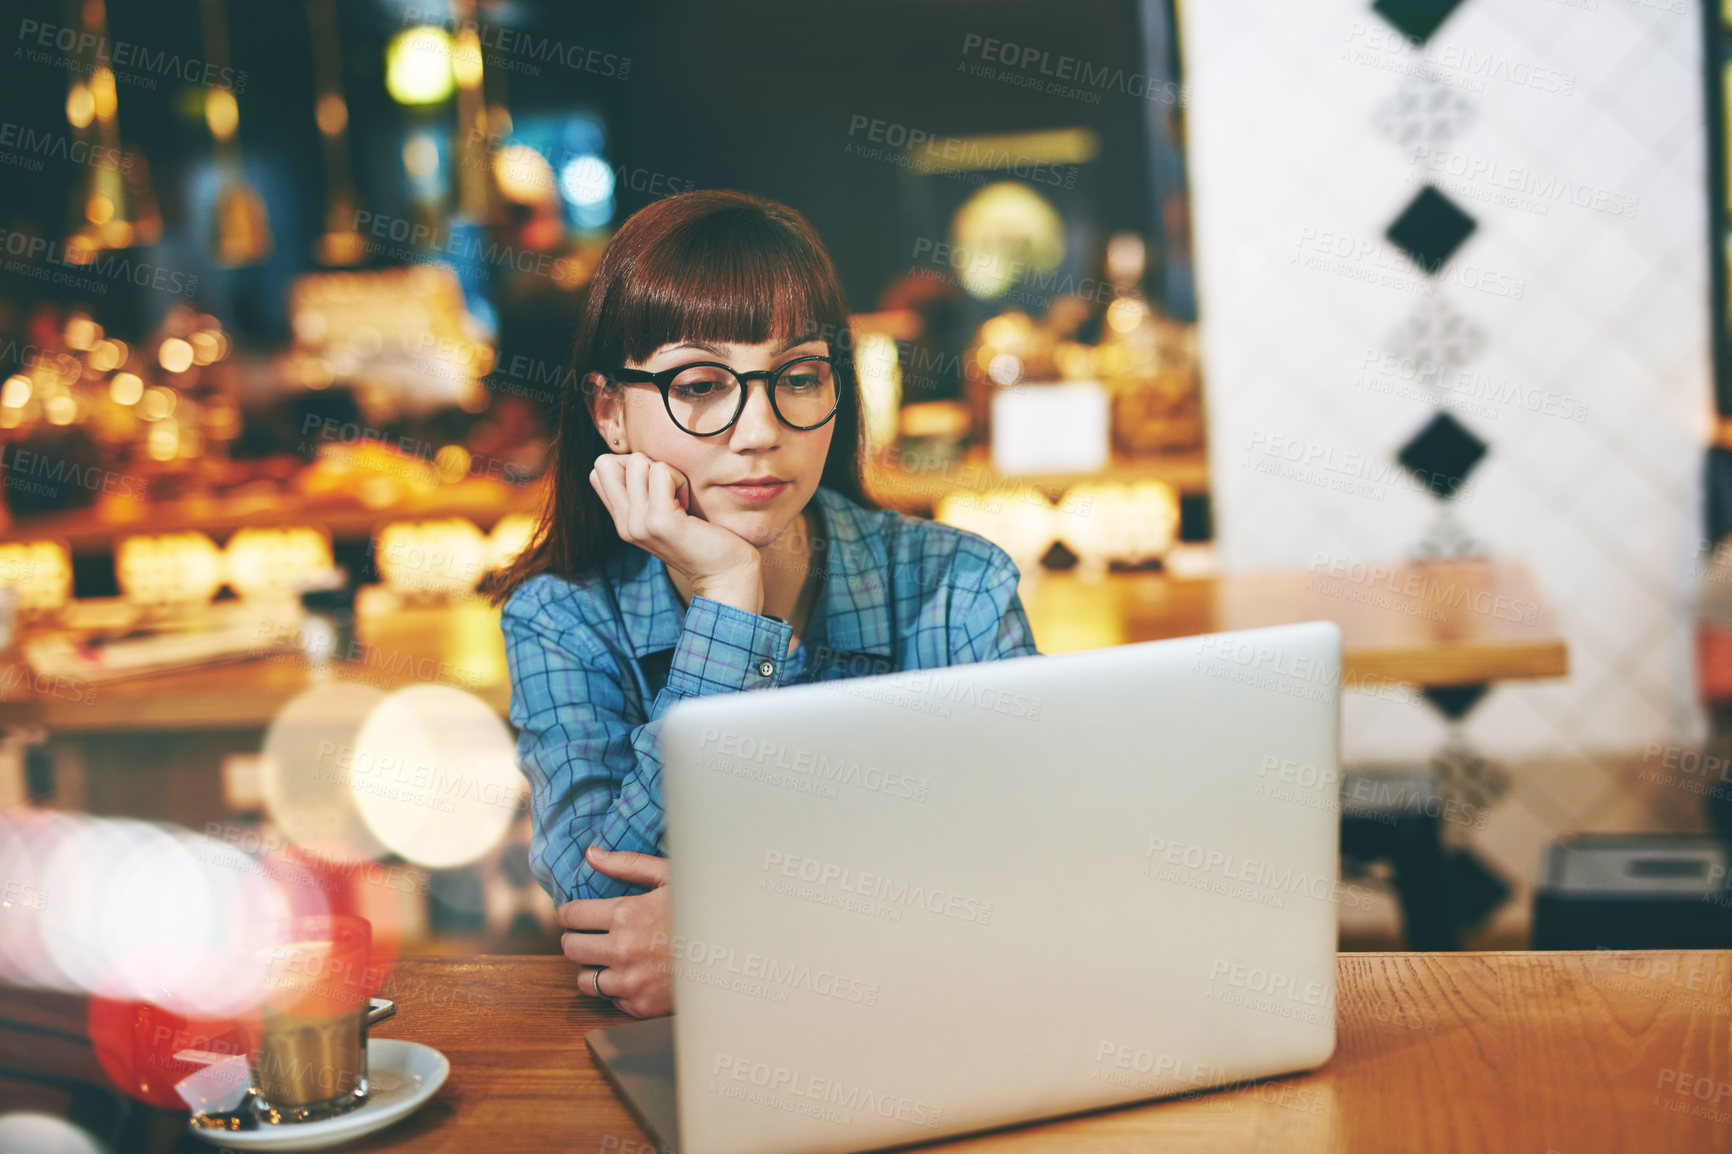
94,529
917,489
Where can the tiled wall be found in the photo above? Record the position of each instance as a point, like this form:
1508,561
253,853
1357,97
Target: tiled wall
1486,255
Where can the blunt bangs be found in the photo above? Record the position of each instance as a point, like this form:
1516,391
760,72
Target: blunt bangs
734,276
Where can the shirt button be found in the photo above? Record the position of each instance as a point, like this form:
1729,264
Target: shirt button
767,668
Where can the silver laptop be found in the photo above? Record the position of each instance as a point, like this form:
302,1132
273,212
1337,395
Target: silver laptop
919,904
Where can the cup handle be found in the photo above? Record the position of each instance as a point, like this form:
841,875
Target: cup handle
378,1009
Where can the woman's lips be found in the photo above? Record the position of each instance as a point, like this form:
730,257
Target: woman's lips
757,494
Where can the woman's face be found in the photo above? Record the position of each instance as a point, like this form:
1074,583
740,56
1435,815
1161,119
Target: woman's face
633,419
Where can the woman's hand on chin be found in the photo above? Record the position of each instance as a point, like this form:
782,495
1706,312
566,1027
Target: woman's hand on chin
649,500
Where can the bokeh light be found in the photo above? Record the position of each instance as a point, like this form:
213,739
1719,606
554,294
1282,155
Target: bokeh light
418,66
307,752
523,174
29,840
31,1133
175,355
435,777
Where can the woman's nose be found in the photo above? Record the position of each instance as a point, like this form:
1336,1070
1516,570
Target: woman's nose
757,424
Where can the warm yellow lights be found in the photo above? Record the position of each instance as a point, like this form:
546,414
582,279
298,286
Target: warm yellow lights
418,66
125,389
1007,329
80,106
1126,314
162,443
276,562
41,571
466,59
221,113
158,403
175,355
332,113
15,393
986,153
102,93
1129,522
172,568
81,332
523,174
1002,233
104,356
452,463
879,371
510,537
60,410
431,558
1099,521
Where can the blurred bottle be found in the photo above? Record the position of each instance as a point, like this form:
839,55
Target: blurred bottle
1148,362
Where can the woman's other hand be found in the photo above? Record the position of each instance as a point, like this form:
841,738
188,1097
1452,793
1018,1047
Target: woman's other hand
628,938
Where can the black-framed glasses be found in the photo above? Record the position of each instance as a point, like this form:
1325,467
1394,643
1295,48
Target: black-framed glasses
706,397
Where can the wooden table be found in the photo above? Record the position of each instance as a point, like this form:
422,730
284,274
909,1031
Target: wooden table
1428,624
1569,1052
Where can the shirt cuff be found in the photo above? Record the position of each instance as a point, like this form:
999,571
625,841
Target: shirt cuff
724,649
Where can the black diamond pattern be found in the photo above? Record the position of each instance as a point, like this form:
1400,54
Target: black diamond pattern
1442,454
1430,229
1415,19
1455,701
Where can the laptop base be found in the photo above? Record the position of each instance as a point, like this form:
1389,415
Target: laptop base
638,1059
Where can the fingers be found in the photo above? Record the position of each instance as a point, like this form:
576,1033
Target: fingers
590,949
641,493
588,913
637,868
664,489
586,979
637,495
633,990
606,478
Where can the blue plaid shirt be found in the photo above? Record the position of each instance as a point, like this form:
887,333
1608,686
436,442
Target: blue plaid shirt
596,664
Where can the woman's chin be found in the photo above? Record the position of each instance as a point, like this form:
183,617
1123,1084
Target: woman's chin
758,529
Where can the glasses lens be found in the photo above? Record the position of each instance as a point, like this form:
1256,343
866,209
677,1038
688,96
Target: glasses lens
704,398
806,392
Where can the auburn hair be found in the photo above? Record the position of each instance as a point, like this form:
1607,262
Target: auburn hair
712,266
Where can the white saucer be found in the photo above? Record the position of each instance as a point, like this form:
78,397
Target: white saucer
400,1077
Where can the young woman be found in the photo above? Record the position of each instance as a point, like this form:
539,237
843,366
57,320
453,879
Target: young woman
707,532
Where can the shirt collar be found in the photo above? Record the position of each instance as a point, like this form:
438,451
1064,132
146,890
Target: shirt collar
855,608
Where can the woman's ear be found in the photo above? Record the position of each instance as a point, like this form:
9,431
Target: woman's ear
606,408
